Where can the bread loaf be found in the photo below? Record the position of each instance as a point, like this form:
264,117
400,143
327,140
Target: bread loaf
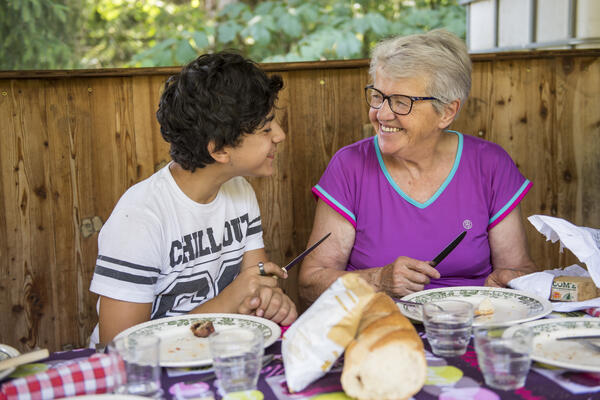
386,360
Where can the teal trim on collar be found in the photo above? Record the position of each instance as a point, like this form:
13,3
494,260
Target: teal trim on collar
441,188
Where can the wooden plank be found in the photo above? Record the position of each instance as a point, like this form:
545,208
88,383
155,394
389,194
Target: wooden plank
474,116
32,284
274,194
151,151
577,124
11,252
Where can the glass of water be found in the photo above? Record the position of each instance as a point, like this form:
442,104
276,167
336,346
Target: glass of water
448,326
237,358
504,357
136,365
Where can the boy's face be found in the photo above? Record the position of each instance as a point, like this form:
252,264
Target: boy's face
254,156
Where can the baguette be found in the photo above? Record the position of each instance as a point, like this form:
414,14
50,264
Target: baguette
386,360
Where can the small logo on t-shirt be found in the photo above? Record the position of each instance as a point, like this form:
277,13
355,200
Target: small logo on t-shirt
467,224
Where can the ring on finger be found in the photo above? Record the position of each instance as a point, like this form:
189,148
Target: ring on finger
261,268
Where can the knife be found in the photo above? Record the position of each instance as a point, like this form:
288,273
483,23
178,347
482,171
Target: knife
447,250
305,252
579,337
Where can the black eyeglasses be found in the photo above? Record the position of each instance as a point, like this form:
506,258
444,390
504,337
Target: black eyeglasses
399,104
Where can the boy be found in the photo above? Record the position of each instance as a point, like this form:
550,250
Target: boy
189,238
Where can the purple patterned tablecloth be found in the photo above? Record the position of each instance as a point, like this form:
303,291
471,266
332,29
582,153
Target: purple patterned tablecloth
456,378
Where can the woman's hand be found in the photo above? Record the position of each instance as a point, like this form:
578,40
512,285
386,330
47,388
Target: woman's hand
404,276
501,276
509,252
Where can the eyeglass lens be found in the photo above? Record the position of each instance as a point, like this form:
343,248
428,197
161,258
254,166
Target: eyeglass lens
398,103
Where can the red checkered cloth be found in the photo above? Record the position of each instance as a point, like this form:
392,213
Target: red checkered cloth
95,374
593,311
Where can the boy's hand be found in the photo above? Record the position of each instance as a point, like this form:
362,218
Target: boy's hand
263,297
276,306
243,293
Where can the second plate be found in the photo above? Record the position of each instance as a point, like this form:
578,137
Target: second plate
510,306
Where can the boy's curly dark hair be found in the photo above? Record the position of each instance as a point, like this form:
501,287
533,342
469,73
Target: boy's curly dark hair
216,97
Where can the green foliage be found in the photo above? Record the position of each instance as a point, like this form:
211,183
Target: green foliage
39,34
300,30
133,33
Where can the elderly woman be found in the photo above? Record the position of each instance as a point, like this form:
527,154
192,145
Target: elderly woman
393,201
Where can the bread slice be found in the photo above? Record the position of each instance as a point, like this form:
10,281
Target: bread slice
484,308
386,361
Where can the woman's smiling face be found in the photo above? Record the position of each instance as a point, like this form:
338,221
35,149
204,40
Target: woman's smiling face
398,133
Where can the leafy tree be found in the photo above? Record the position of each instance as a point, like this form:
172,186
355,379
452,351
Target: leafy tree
39,34
133,33
300,30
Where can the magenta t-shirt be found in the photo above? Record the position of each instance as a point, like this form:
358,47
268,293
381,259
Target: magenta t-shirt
483,186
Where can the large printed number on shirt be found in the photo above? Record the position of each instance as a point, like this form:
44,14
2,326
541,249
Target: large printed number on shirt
227,275
184,294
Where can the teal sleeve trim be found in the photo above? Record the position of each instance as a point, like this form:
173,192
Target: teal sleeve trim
512,202
333,202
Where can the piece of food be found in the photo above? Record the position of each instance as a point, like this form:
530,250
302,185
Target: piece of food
202,328
386,360
573,288
484,308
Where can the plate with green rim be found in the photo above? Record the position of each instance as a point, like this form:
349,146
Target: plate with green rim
568,354
510,306
180,348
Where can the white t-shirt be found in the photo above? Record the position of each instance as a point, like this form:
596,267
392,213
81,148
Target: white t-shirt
158,246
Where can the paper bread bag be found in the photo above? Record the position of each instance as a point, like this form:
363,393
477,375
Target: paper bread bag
320,335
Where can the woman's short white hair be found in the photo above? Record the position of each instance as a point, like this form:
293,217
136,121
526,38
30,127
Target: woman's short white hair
438,55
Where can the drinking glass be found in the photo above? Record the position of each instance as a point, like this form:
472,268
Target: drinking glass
504,359
139,372
237,358
448,326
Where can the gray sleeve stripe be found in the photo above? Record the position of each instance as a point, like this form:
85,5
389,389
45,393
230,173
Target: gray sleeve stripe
122,276
128,264
255,221
254,230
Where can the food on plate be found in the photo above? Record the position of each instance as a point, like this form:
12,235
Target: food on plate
484,308
386,360
573,288
202,328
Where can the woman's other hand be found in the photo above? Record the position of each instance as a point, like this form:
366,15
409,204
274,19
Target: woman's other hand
509,251
405,275
501,276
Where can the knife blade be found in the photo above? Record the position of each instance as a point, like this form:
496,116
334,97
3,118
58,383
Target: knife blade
579,337
305,252
448,249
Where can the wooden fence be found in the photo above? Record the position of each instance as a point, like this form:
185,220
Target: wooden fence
71,142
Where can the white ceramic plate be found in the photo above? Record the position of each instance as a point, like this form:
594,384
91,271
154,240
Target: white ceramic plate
569,354
7,352
180,348
510,306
